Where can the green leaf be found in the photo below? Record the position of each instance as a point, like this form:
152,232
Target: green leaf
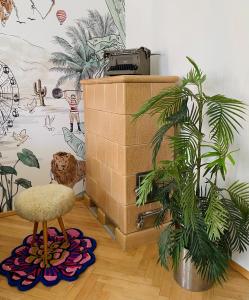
173,120
188,199
198,71
165,245
237,235
239,194
229,156
216,215
224,115
28,158
6,170
195,75
166,103
23,182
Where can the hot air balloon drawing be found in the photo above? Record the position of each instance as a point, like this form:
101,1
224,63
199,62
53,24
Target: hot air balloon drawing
61,16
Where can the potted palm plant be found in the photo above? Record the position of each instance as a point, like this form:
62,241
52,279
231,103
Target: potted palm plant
209,221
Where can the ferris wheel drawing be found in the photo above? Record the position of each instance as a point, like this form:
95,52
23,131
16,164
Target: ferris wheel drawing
9,97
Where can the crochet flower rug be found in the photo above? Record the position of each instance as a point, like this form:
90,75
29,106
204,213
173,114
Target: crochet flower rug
25,267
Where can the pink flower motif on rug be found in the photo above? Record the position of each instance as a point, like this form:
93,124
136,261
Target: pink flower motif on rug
66,261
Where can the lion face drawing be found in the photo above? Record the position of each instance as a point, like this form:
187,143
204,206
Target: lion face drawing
66,169
6,7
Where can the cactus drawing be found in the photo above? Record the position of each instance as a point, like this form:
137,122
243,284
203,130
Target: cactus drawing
40,92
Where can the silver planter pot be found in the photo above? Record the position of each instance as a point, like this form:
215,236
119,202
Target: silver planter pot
188,278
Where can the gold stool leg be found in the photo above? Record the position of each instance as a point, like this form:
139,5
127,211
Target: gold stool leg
34,233
45,241
62,228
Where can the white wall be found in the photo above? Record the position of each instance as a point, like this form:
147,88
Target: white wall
215,34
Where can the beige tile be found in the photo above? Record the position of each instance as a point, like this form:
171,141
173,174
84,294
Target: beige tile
165,152
123,188
117,128
136,96
91,147
156,88
93,120
99,99
92,168
121,98
105,124
138,159
131,131
105,151
89,96
101,149
91,187
121,165
115,156
105,178
101,196
118,188
130,189
112,209
146,129
110,153
110,99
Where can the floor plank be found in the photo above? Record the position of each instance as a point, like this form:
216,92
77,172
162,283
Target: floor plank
116,275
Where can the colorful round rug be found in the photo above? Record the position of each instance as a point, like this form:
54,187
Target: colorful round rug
66,261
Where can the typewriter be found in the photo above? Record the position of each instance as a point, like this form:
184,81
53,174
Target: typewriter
128,62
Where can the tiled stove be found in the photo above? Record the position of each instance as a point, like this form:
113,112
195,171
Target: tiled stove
117,148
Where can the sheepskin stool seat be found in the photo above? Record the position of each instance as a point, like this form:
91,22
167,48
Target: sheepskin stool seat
45,203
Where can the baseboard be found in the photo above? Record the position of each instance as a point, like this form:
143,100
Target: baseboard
7,214
235,266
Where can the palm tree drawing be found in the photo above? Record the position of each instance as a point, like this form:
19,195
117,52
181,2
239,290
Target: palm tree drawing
77,60
82,53
98,25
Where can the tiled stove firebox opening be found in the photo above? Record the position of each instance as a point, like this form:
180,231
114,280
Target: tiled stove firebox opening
117,148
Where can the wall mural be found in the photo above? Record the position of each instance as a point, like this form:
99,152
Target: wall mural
46,48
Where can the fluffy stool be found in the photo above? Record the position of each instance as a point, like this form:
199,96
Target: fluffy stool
45,203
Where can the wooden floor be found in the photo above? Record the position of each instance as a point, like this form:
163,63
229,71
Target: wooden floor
116,275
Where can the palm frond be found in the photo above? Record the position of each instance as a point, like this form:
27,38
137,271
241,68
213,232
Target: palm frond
63,43
189,199
218,157
238,226
167,103
225,115
62,79
210,262
185,142
165,245
195,75
239,194
216,216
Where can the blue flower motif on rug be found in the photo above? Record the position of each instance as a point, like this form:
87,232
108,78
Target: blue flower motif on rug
66,261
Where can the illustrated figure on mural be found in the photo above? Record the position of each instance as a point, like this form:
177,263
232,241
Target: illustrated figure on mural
66,169
48,122
9,98
74,115
73,98
7,7
20,137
